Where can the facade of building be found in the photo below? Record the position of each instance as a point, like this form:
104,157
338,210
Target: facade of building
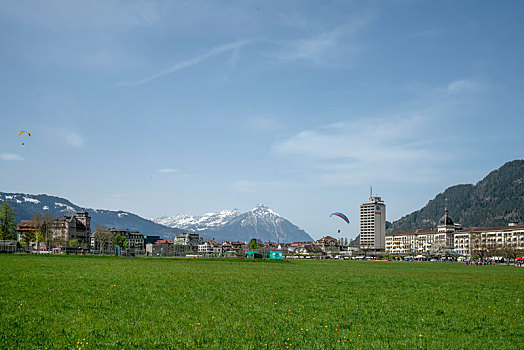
63,229
210,248
162,247
185,242
449,238
135,240
373,224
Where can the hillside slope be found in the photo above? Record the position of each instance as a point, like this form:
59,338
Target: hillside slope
25,205
494,201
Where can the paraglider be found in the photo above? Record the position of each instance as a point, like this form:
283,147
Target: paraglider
340,215
22,131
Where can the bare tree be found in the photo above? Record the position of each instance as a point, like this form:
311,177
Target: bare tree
438,248
103,238
45,224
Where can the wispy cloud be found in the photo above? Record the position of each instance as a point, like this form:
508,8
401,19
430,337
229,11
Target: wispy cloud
74,139
464,85
168,170
10,156
396,148
323,47
217,50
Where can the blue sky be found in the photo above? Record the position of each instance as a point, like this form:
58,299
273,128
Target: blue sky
167,107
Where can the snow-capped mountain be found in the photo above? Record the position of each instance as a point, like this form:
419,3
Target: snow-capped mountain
198,223
231,225
25,205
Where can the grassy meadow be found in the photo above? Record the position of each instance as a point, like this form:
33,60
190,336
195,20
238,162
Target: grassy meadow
79,302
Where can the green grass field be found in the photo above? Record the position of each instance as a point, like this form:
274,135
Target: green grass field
73,302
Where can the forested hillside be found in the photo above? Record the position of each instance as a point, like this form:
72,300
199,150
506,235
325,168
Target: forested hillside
494,201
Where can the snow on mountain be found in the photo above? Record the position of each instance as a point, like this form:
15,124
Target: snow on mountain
32,200
25,205
198,223
260,222
65,208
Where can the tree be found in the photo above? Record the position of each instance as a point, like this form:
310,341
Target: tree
438,248
7,222
28,237
73,243
39,237
103,238
44,224
120,241
253,244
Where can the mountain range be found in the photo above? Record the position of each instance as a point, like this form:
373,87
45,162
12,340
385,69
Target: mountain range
496,200
231,225
25,205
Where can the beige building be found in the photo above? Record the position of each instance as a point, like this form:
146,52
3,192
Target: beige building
62,229
373,224
490,240
450,238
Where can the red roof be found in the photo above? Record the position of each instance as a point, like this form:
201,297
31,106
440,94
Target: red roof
164,241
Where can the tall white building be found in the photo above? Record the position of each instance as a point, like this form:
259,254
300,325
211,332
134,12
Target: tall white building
373,224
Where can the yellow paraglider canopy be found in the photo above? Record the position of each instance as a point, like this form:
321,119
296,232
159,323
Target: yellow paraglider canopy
21,132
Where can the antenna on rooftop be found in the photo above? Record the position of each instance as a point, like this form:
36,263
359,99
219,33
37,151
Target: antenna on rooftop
370,191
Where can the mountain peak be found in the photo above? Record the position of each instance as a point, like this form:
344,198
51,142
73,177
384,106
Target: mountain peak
260,222
262,209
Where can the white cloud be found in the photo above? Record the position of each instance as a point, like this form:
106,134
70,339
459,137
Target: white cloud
463,85
234,46
10,156
74,139
168,170
325,47
397,148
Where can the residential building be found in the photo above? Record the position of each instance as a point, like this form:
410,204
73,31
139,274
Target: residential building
188,239
162,247
185,242
311,249
135,240
373,224
63,229
150,239
210,248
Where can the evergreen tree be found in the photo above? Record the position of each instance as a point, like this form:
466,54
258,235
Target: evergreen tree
28,238
253,244
7,222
